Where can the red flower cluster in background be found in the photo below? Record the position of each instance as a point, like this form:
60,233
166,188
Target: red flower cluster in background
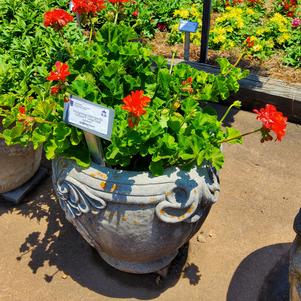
135,104
162,26
272,120
290,7
188,81
187,85
22,110
87,6
57,18
61,72
249,42
135,13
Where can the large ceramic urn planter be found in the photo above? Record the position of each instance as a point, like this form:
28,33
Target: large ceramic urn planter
17,165
135,221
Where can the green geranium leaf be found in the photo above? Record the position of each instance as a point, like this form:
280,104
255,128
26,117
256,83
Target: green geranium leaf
175,122
217,158
233,134
156,168
41,134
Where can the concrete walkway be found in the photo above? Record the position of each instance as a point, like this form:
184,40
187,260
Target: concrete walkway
239,254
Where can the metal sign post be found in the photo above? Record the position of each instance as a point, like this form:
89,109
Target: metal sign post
187,46
205,30
187,27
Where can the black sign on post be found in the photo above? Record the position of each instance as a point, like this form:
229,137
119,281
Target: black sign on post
205,30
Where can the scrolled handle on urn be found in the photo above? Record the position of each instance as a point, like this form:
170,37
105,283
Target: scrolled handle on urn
177,200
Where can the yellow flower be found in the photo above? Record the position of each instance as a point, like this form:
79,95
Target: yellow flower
183,13
250,11
283,38
257,48
270,43
260,31
283,29
195,12
219,30
240,22
279,20
219,39
229,29
231,44
232,14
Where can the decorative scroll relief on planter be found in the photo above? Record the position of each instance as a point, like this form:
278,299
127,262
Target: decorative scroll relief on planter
88,190
135,221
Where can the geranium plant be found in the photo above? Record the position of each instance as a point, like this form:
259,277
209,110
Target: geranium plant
162,115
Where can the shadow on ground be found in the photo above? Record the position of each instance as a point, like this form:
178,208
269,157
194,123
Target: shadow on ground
262,276
62,247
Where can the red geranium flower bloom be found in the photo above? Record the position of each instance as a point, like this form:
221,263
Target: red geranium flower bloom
135,103
87,6
57,18
61,72
187,81
55,90
22,110
135,13
272,120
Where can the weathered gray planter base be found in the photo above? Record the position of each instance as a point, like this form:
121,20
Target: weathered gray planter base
17,195
136,222
139,267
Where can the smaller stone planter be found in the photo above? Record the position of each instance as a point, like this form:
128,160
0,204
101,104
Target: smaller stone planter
136,222
18,164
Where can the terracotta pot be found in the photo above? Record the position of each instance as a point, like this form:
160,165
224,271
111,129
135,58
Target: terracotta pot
18,165
135,221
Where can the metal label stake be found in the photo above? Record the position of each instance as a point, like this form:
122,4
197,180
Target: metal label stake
95,148
187,27
187,46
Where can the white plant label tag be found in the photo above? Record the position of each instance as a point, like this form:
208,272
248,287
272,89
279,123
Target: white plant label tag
90,117
188,26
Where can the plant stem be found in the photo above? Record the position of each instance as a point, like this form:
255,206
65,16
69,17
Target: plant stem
239,59
227,112
116,16
239,136
67,45
172,62
91,29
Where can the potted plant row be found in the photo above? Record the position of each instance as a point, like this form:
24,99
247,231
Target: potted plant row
155,180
